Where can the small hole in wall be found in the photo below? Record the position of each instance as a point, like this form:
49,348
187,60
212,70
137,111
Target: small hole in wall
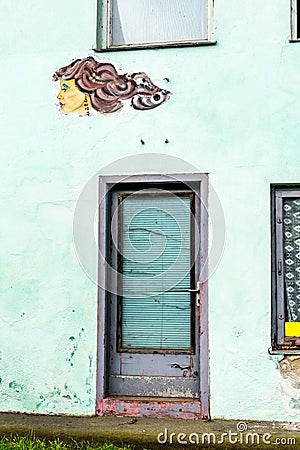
125,409
180,410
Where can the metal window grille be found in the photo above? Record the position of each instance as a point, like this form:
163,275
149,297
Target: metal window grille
286,268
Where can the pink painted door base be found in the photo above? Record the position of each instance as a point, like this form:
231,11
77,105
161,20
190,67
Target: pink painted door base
134,407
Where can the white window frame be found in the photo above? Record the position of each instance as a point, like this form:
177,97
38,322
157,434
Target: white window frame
295,34
104,31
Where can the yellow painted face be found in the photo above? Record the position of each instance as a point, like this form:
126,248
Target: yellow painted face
70,97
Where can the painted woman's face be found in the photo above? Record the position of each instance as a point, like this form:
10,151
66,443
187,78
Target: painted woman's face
70,97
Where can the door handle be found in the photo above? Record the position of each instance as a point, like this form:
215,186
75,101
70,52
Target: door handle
198,294
279,267
194,291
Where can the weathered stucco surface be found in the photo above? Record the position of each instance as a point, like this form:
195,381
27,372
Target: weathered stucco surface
233,113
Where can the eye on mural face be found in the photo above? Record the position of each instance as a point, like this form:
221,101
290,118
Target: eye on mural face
70,98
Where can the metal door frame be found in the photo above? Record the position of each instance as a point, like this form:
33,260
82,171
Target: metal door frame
183,408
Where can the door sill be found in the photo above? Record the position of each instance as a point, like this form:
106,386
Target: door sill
183,408
151,399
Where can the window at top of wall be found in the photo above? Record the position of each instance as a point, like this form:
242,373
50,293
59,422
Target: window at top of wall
126,24
285,269
295,22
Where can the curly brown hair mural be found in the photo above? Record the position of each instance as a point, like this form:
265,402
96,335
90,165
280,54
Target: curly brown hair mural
87,85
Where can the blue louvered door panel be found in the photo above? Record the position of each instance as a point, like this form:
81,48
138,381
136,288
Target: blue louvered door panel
155,261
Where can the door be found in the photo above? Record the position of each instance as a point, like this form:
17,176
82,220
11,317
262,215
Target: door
153,306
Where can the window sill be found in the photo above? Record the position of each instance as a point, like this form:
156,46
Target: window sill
154,46
284,351
292,41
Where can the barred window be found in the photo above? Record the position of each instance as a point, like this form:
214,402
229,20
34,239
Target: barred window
286,269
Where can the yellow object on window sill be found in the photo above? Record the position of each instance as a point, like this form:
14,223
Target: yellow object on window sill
292,329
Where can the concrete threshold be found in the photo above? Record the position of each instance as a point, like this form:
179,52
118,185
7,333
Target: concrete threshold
152,434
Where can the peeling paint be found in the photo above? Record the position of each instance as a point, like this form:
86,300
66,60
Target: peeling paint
81,332
72,354
88,380
16,386
42,400
151,408
289,368
50,399
295,403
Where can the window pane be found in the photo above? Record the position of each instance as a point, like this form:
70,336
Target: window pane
291,251
156,243
150,21
161,321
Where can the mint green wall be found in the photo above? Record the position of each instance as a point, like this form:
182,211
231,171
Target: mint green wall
233,113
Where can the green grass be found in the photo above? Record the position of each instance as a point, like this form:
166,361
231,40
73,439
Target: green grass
30,442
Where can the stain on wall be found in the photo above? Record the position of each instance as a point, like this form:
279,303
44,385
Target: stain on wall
87,86
290,367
